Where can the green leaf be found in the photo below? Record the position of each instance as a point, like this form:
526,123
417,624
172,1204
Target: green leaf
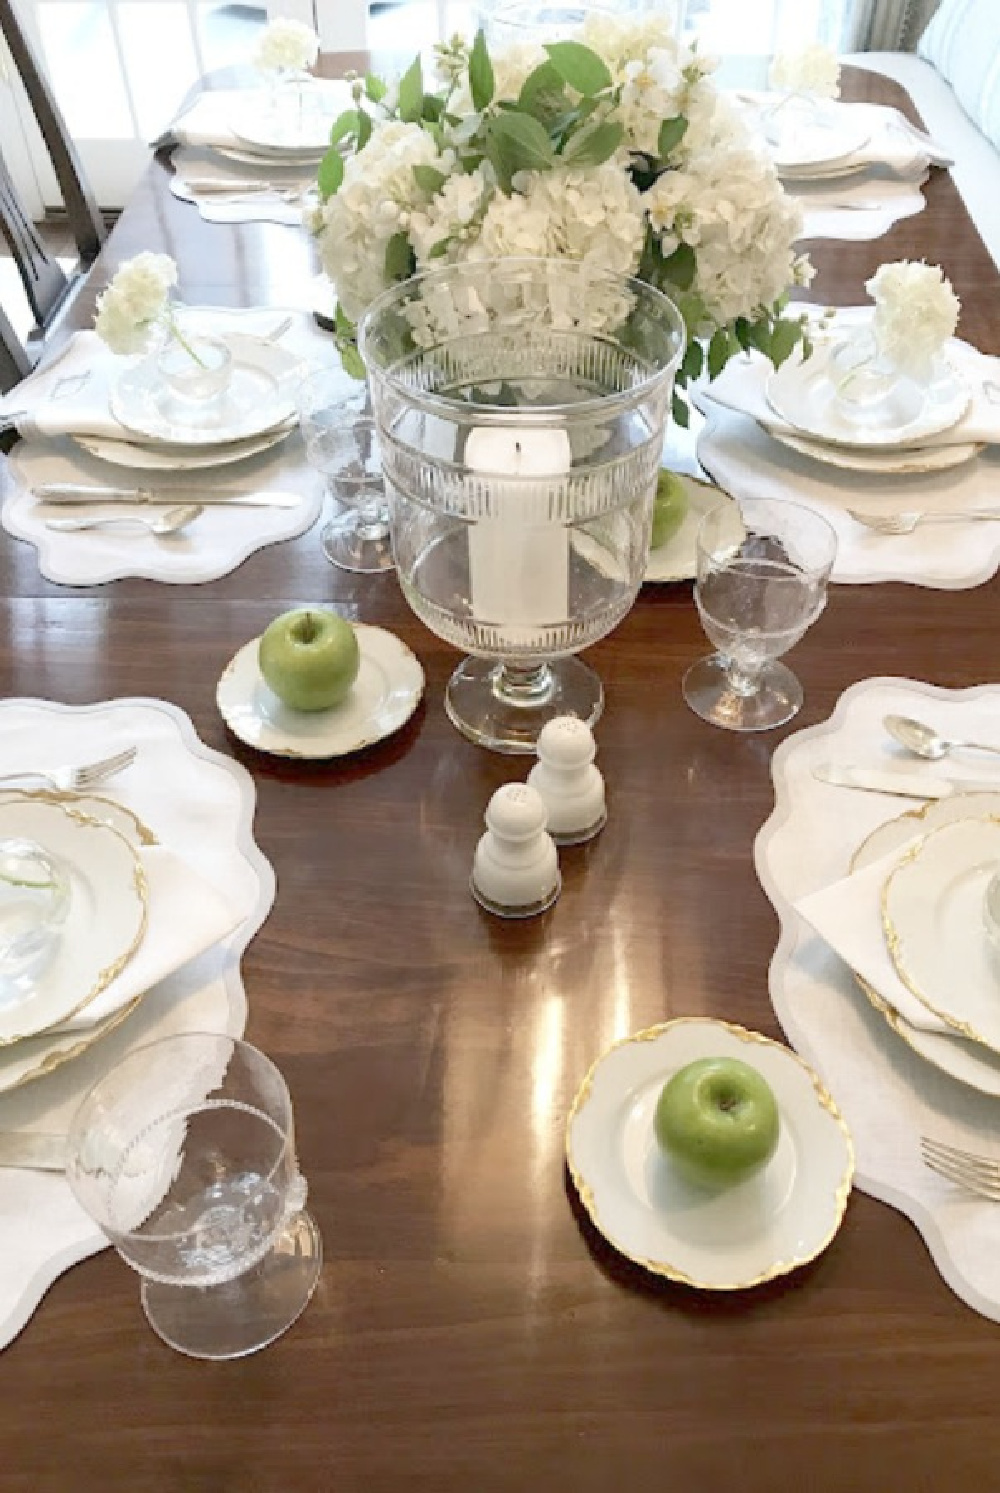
542,93
351,359
594,145
481,81
364,129
429,179
741,327
679,267
578,66
680,412
375,88
343,325
672,132
694,358
718,352
330,174
345,124
438,250
433,108
399,259
784,339
411,93
524,142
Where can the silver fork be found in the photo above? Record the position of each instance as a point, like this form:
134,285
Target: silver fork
905,523
978,1174
77,779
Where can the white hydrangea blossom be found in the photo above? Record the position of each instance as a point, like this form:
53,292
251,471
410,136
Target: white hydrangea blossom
376,200
814,70
286,44
916,311
451,217
135,302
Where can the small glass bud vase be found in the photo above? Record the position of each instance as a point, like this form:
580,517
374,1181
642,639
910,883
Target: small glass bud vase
34,902
196,369
871,390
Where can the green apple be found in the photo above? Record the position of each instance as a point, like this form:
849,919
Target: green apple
309,658
669,507
717,1121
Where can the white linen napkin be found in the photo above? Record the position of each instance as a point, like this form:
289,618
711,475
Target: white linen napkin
742,386
741,457
848,915
209,118
194,167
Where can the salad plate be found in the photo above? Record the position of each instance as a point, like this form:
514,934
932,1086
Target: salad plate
727,1240
260,397
677,560
828,142
106,917
932,916
388,689
804,393
968,1062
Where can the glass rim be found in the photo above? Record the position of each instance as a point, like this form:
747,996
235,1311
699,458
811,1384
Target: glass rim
540,414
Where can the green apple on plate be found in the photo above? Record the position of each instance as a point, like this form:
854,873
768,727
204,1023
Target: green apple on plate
669,507
310,658
717,1121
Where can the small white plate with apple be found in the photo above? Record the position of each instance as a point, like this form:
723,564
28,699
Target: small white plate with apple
315,686
680,505
709,1154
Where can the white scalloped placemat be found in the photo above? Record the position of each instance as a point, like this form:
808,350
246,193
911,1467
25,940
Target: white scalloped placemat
889,1095
200,804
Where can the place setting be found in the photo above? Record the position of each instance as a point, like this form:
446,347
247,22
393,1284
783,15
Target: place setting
888,395
882,860
122,454
124,912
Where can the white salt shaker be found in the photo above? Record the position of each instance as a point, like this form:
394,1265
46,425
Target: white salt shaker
570,784
516,870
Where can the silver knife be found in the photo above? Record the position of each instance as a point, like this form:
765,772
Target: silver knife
904,782
76,492
33,1150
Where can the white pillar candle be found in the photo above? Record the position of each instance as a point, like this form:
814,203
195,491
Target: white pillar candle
518,569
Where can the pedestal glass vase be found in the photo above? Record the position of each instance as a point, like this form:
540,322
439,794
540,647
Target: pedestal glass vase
184,1156
521,407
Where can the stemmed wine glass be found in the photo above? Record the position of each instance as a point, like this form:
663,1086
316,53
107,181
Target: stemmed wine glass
338,428
184,1155
761,582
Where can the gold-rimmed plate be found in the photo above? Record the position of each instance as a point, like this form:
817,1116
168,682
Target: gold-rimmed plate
718,1241
105,922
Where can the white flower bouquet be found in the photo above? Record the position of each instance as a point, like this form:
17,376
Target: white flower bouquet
615,149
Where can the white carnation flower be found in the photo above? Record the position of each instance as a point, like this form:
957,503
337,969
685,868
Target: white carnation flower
814,70
916,311
286,44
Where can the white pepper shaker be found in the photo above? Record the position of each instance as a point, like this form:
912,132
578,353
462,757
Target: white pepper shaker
570,784
515,872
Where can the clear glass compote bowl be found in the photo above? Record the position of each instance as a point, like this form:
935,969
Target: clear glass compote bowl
761,582
521,407
184,1156
341,441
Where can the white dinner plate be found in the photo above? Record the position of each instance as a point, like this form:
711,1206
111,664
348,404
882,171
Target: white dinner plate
290,130
677,560
899,461
835,172
163,458
35,1057
105,922
932,915
721,1241
803,392
260,397
828,142
969,1062
294,164
388,689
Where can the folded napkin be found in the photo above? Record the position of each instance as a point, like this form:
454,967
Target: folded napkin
266,187
209,119
742,386
892,141
848,915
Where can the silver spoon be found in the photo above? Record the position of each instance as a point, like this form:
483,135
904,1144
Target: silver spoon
925,742
169,522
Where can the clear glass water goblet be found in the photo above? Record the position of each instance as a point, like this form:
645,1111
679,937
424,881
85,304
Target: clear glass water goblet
762,573
184,1156
341,441
521,408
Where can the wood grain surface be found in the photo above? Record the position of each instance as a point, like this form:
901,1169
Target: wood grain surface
472,1332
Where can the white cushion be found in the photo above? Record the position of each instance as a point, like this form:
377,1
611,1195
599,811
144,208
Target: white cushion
962,42
976,172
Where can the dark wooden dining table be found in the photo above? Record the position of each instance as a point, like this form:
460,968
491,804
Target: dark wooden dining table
472,1330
